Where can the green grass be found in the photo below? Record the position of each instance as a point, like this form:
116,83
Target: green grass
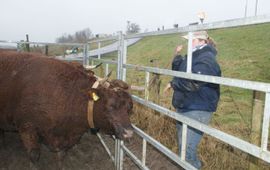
243,52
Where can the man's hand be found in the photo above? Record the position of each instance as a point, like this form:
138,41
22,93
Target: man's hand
167,89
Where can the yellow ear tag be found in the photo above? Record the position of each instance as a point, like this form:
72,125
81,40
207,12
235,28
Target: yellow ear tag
95,96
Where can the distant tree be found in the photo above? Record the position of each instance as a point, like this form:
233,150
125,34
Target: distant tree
132,28
83,36
79,37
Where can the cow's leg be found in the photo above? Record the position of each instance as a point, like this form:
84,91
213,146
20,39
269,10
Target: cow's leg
29,138
32,166
60,155
2,138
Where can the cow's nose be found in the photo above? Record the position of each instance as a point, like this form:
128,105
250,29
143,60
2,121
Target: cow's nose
127,133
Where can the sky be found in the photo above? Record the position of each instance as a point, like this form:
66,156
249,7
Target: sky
45,20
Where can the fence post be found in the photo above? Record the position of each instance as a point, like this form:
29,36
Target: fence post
120,56
265,125
256,125
99,44
101,70
154,85
46,50
85,55
106,69
119,154
189,57
124,70
154,88
19,47
118,143
257,114
27,45
146,89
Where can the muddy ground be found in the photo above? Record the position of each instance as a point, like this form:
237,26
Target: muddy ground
87,154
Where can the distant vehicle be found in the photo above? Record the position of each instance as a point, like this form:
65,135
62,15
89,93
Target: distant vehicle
74,50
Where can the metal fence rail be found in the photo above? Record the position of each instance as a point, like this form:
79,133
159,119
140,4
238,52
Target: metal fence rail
162,148
252,85
229,139
42,43
208,26
260,152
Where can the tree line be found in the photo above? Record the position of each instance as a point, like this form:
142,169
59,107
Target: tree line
86,34
81,36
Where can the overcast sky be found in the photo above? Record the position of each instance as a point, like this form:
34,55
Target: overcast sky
44,20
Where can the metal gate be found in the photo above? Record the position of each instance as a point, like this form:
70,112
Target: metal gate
245,146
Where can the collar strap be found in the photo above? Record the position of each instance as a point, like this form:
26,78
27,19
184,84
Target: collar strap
90,108
90,115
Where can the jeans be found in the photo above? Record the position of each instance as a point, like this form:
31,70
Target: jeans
193,136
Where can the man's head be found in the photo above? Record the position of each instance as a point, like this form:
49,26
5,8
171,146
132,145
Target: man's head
198,38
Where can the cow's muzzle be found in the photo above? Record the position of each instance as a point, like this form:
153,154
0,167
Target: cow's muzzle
127,133
123,133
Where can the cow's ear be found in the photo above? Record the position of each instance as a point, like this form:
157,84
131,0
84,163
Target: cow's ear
93,95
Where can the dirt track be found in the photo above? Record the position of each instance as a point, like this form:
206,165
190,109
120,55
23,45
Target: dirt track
88,154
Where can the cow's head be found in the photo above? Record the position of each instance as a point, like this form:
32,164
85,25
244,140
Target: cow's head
111,111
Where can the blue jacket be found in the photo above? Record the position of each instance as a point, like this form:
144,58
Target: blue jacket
196,95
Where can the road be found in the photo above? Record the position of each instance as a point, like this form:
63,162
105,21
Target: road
104,50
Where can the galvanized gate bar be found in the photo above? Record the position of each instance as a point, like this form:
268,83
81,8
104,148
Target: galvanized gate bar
42,43
106,69
207,26
184,142
189,56
266,119
104,39
121,155
99,56
124,70
146,89
252,85
144,152
120,56
105,146
104,61
134,158
85,55
229,139
119,161
163,149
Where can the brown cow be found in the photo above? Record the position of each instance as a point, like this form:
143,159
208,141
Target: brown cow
48,100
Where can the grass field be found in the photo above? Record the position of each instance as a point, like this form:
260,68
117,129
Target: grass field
243,53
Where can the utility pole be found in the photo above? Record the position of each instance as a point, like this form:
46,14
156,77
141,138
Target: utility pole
128,27
256,7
